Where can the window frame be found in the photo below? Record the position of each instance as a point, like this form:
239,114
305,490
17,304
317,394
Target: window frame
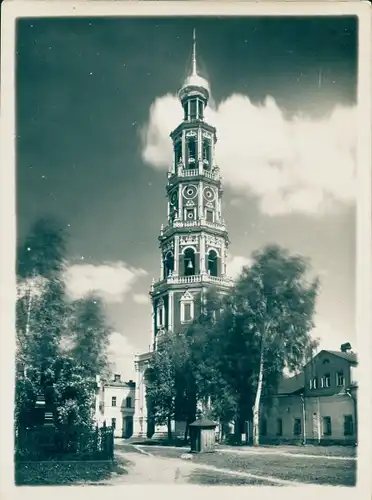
340,375
297,426
327,426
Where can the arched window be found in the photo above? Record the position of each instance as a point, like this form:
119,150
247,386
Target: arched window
212,263
191,152
206,153
177,152
168,264
189,262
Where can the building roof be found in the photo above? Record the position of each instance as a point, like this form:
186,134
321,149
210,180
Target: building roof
203,422
349,356
290,385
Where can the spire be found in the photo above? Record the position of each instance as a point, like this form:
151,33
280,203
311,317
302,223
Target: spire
194,80
194,73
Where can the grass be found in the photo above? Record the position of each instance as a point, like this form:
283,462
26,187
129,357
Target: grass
318,470
53,473
208,478
332,451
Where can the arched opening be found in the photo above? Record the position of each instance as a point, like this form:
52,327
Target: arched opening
206,153
189,262
212,263
191,152
168,264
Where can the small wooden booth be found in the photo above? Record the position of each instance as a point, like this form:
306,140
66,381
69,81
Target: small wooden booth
202,436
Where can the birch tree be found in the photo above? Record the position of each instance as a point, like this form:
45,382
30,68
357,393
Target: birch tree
274,302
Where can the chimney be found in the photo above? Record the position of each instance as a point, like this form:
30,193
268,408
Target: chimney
345,347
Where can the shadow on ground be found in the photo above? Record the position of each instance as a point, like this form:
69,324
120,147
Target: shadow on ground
68,473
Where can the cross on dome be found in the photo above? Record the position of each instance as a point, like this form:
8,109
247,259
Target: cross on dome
194,80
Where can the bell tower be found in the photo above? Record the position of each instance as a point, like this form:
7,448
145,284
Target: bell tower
194,241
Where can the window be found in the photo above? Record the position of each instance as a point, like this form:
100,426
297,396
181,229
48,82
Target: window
212,263
327,426
326,362
193,109
187,307
340,379
191,148
326,380
206,152
189,262
116,378
187,312
209,215
113,423
128,402
314,383
297,427
177,152
200,109
168,264
279,427
160,316
348,425
113,401
263,427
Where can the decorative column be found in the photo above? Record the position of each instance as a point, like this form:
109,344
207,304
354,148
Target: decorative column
170,311
152,316
200,151
180,204
223,253
200,201
202,254
176,255
161,265
138,407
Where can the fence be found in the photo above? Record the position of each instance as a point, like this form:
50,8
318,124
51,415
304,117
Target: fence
64,443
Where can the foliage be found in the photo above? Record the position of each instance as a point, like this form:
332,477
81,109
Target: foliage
45,319
273,304
161,381
90,335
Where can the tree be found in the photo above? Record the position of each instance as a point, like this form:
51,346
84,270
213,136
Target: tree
42,310
90,335
161,382
274,303
61,346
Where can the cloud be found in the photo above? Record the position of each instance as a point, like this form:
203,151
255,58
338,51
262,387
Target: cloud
295,164
121,356
110,280
235,265
329,338
141,298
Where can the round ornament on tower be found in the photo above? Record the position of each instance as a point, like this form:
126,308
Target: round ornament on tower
209,194
190,192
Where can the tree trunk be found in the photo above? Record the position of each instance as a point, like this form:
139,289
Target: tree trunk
186,431
256,408
169,425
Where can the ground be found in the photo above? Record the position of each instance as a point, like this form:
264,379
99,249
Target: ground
277,466
153,464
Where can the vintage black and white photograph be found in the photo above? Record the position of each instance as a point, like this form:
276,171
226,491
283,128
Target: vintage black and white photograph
186,192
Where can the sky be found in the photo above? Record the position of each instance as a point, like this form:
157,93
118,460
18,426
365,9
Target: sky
96,101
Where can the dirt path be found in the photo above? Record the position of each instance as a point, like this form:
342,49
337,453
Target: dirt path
150,469
146,468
